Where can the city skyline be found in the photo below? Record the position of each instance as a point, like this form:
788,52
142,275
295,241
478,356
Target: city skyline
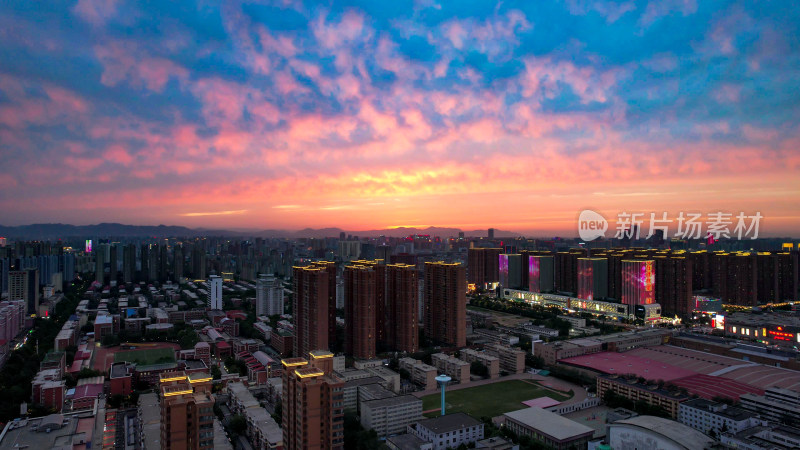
368,116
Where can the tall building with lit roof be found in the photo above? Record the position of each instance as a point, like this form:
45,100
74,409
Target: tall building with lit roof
310,309
187,411
313,403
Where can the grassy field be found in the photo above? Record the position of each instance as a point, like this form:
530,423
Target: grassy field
146,356
490,400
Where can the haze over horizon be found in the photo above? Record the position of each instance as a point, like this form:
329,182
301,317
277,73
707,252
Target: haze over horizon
368,116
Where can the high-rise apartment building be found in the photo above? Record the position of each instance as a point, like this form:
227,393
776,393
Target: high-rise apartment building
112,261
187,411
128,263
540,273
144,258
99,264
5,264
152,262
269,296
310,309
402,319
445,303
483,265
566,270
510,268
163,263
360,286
214,292
638,280
673,284
12,320
313,403
330,268
24,285
198,262
592,278
177,264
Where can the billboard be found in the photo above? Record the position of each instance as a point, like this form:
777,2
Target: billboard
88,246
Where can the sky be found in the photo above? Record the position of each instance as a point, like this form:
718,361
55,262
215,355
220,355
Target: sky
368,115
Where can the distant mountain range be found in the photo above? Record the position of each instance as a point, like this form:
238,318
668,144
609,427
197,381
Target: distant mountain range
103,230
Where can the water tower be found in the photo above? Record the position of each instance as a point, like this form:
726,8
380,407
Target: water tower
443,380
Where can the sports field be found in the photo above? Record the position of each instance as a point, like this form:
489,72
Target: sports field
146,357
489,400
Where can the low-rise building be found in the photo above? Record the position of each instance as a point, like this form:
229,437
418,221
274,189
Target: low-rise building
149,412
776,405
457,369
282,341
512,360
631,389
350,390
496,443
706,416
772,437
390,415
421,373
389,376
550,428
262,430
407,441
448,431
372,392
121,376
492,363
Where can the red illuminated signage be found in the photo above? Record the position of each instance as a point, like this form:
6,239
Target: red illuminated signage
781,336
648,276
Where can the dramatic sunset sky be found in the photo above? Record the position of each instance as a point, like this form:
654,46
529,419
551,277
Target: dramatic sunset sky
373,114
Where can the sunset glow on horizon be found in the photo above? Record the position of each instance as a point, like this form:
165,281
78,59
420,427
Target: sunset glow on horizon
373,115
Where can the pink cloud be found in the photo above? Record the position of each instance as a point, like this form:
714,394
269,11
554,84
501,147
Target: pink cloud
335,34
60,106
118,155
661,8
124,61
96,12
543,75
456,33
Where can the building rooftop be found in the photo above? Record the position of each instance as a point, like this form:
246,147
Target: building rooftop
220,440
721,409
103,319
266,424
406,442
449,422
392,401
65,432
318,354
374,391
554,425
193,364
87,390
364,382
683,435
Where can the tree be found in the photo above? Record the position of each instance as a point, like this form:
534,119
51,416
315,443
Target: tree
278,414
238,424
478,368
215,372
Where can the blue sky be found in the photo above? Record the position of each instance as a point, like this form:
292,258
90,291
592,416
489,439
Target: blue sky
373,114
